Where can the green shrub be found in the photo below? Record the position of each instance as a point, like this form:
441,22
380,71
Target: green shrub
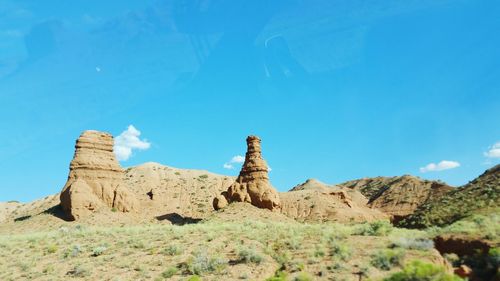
201,263
194,278
172,250
318,252
387,259
420,271
303,277
171,271
377,228
98,251
75,251
79,271
52,248
340,250
249,256
278,276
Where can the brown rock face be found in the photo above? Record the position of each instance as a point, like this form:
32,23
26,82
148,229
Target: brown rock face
95,178
398,196
314,201
252,185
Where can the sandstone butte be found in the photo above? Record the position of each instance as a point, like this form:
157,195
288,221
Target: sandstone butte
96,179
252,185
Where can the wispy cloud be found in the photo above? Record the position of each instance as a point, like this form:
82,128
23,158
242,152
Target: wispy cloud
238,159
493,151
128,141
441,166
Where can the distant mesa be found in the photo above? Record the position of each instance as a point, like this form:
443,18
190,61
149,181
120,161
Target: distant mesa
95,179
252,185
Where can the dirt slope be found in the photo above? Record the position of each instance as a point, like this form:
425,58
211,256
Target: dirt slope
6,208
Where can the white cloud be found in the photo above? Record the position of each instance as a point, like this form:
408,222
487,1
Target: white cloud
127,141
441,166
238,159
493,151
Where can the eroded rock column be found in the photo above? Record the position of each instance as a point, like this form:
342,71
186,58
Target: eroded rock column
95,178
252,184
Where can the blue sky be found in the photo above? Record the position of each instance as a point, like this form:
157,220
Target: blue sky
337,90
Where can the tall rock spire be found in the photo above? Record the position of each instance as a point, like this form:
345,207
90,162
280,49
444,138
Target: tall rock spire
252,185
95,178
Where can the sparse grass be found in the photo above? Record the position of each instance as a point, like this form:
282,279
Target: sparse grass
485,226
421,271
421,244
213,251
79,271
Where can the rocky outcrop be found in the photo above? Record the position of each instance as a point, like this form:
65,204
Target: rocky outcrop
95,179
252,185
480,196
398,196
314,201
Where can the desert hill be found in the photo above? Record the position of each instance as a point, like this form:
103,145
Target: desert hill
6,208
480,195
165,194
171,195
315,201
99,191
398,196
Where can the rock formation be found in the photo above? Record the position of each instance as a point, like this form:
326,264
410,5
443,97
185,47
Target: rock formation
314,201
252,185
95,178
480,196
398,196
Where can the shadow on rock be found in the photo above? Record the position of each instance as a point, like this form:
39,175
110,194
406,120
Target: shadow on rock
57,212
23,218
